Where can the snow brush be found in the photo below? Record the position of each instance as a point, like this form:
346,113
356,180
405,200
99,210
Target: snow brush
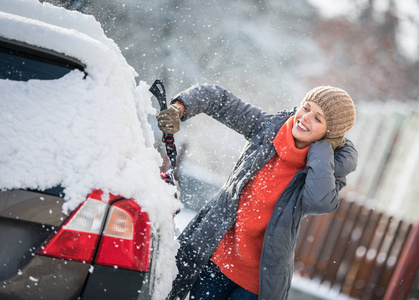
157,89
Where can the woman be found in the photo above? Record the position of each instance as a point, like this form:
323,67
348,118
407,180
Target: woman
241,244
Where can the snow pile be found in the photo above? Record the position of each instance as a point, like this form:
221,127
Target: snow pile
82,133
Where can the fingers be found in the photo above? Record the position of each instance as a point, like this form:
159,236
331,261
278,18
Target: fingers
167,127
168,120
336,142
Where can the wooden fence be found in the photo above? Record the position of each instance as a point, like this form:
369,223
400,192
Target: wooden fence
353,251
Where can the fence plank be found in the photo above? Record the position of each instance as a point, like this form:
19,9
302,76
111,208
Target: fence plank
360,252
369,260
353,250
331,259
407,268
385,268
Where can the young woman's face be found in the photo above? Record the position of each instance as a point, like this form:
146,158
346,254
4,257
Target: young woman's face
309,125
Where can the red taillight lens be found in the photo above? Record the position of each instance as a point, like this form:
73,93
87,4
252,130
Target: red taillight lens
78,236
126,239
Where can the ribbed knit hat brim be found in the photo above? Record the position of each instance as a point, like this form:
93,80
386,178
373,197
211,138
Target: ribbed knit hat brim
338,107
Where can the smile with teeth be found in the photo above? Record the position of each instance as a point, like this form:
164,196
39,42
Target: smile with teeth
302,126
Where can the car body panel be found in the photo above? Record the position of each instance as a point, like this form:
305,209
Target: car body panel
27,220
32,207
46,278
126,284
24,227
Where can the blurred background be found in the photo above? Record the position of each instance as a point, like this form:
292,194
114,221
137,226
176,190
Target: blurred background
271,53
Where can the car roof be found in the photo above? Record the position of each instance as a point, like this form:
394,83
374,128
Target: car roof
68,33
53,16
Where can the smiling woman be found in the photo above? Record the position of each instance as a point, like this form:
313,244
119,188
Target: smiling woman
241,243
309,125
326,112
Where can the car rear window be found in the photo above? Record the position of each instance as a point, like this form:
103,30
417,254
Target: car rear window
22,62
54,191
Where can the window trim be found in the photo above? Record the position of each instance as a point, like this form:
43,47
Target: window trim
40,54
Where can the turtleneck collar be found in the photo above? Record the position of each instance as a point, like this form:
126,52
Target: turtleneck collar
285,145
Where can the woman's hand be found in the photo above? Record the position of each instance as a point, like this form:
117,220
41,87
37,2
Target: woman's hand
336,142
168,120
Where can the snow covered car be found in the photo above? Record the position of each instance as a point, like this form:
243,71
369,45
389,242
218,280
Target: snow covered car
83,211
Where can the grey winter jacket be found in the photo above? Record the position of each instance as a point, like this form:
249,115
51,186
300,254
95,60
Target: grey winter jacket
313,190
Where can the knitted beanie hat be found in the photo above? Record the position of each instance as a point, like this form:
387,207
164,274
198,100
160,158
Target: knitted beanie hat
338,107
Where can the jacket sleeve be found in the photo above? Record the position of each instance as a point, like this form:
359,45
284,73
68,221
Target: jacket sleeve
326,176
223,106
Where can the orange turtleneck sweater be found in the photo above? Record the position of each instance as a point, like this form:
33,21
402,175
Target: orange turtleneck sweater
238,253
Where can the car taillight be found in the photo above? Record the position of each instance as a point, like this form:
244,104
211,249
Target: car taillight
78,236
125,242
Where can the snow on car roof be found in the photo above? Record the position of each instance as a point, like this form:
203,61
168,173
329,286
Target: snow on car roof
53,15
82,133
19,22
